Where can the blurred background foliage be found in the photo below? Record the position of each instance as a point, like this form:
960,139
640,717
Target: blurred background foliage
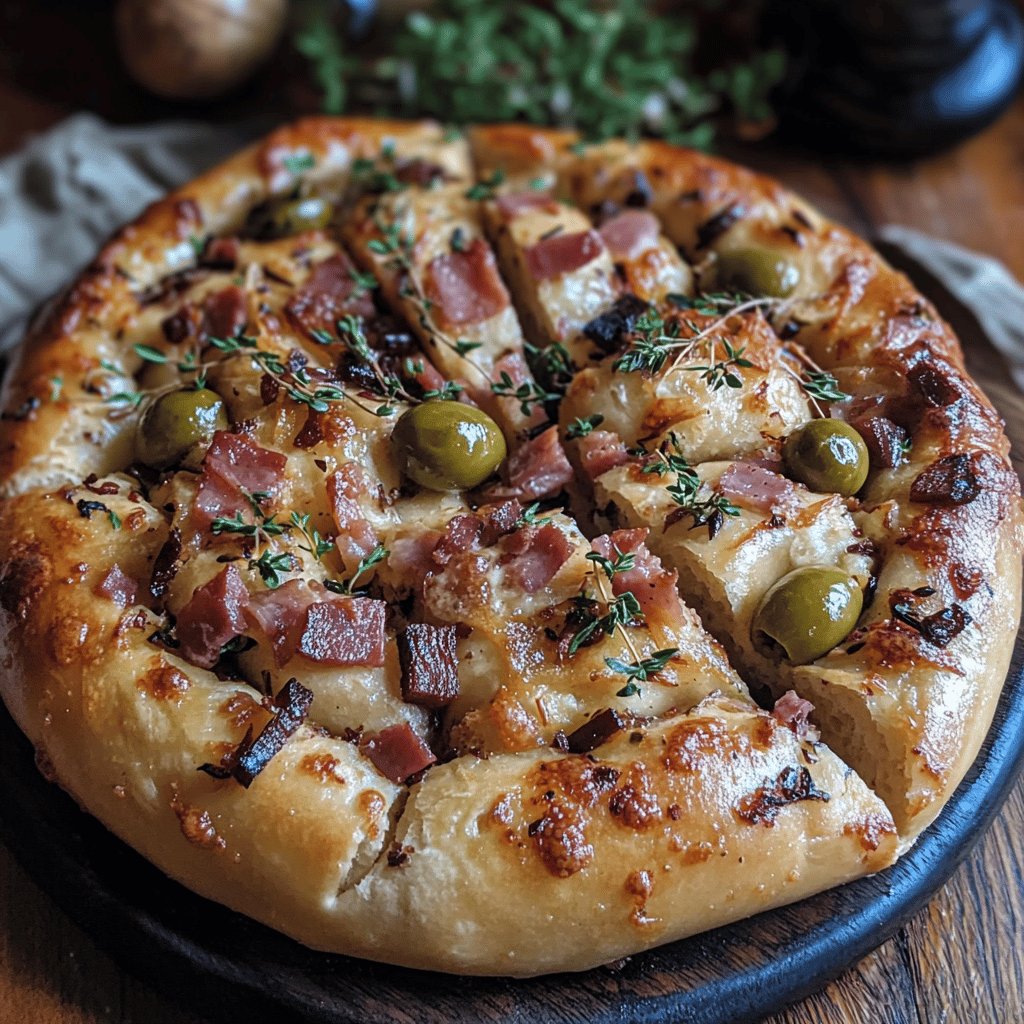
682,71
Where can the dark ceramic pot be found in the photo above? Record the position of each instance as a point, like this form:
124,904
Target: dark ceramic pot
896,77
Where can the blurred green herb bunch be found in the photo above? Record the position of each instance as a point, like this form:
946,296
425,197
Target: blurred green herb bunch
679,71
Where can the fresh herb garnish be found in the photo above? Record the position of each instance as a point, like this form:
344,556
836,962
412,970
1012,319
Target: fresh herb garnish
822,386
621,67
487,187
529,394
622,611
375,557
271,565
315,544
581,427
685,489
296,163
641,669
529,517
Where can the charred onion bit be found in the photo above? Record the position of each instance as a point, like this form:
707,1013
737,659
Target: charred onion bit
884,439
939,628
763,805
718,224
430,675
251,756
600,729
951,480
937,387
397,752
608,331
165,565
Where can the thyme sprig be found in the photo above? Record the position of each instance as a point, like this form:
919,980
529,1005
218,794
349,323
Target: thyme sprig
686,489
819,385
348,587
529,393
582,426
529,517
621,613
263,529
654,339
643,669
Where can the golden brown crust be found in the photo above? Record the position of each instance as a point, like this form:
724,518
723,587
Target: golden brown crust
698,809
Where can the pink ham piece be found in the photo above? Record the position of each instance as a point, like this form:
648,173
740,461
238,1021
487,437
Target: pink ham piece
226,312
562,254
463,533
793,711
535,554
411,558
328,294
338,631
117,587
232,465
600,451
344,631
757,488
500,519
214,615
466,287
278,615
397,752
356,535
512,204
538,469
650,583
629,234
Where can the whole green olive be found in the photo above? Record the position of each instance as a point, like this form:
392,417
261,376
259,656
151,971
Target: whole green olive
827,455
175,423
309,214
758,271
808,612
448,446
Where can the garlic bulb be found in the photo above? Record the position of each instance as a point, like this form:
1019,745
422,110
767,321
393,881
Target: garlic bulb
196,49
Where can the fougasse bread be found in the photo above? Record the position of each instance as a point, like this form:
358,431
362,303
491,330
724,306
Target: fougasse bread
498,554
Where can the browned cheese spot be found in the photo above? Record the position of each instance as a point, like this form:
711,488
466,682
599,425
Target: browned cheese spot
566,792
323,767
196,824
164,682
870,830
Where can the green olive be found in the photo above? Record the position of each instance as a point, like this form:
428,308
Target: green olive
175,423
809,611
758,271
448,446
309,214
827,455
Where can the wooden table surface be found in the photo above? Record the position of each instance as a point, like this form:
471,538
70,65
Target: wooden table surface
960,959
